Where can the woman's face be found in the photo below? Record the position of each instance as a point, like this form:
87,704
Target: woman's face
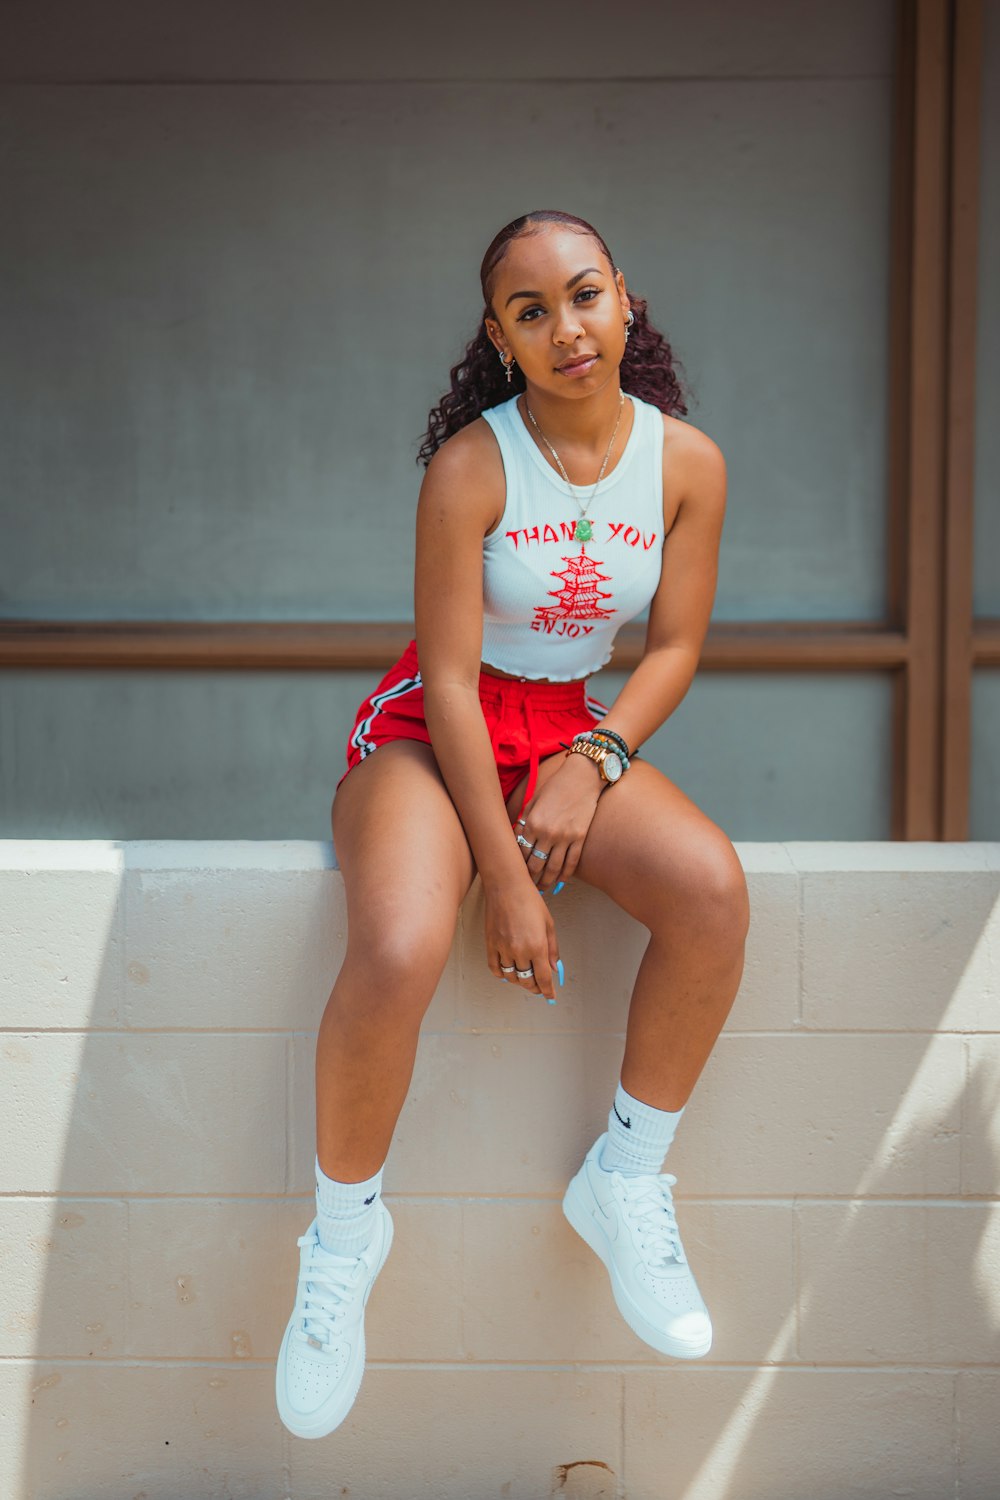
560,310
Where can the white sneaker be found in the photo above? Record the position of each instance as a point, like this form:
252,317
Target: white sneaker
629,1222
322,1355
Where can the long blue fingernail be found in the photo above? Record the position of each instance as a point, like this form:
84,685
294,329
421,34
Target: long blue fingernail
560,972
557,888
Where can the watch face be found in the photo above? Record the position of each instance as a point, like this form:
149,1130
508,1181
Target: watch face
612,766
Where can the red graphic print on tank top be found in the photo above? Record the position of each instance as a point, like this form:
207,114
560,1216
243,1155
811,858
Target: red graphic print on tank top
579,598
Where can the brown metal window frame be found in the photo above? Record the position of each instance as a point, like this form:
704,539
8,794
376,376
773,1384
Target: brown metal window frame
929,640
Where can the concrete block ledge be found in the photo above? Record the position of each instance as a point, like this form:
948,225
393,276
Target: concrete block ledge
838,1190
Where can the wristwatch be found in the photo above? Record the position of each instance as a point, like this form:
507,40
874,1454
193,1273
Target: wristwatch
607,761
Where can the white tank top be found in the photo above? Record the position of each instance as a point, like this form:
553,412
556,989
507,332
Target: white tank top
551,605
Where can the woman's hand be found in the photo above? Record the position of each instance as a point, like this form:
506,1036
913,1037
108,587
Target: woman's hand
557,820
521,936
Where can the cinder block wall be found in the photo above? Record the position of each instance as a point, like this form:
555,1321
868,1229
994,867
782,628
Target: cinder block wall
837,1181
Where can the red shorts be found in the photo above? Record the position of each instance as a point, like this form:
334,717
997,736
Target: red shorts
527,721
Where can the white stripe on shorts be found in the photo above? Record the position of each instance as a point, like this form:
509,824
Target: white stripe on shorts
359,737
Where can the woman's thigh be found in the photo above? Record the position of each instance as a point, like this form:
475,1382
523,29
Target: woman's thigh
658,856
662,859
403,853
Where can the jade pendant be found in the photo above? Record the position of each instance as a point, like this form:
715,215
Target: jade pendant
584,531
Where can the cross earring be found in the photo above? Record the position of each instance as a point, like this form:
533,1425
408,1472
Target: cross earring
508,367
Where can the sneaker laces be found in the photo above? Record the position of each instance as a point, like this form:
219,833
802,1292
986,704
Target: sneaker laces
649,1204
329,1284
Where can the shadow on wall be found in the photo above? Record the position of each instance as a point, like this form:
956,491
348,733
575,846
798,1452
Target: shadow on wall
897,1304
162,1273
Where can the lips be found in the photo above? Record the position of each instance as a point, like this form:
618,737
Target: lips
577,364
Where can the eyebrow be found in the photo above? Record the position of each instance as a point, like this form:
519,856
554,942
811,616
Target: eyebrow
569,285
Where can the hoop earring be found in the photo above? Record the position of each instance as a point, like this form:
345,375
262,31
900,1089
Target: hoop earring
508,367
628,324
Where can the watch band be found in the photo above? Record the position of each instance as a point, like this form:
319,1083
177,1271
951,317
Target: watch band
599,754
592,751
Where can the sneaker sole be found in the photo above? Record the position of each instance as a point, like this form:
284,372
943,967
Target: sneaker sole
592,1234
326,1421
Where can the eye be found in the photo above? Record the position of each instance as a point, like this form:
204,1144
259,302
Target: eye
585,294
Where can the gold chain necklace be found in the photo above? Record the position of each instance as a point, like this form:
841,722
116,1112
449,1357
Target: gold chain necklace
584,528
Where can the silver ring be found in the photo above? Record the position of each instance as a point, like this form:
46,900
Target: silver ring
520,822
525,973
504,969
524,843
538,854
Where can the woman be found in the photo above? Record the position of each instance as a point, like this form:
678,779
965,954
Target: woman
555,506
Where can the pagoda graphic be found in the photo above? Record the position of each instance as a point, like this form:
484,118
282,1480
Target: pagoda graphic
579,598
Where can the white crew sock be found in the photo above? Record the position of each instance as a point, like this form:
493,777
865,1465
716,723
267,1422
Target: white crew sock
346,1212
638,1136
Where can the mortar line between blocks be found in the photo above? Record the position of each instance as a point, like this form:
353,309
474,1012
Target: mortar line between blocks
621,1435
967,1201
287,1132
728,1037
453,1366
461,1280
124,997
286,1459
800,948
956,1437
797,1274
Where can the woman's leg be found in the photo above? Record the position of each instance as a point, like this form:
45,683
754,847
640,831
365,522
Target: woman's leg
661,859
668,865
407,867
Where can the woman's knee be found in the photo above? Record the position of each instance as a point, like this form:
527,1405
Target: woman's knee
395,967
706,890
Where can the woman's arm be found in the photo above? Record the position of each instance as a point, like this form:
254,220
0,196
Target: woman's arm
694,508
695,478
461,499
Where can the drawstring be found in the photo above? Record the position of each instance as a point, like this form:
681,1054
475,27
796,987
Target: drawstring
529,791
495,737
529,719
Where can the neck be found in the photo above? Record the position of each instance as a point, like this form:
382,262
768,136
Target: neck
584,422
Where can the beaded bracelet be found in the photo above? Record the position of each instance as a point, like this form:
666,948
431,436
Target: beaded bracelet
601,736
609,734
597,737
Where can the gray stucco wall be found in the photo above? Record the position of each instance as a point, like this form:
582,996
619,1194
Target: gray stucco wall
238,265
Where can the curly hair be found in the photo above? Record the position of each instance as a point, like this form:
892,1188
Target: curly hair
649,368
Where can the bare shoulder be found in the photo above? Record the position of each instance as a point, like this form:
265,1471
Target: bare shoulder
694,470
466,476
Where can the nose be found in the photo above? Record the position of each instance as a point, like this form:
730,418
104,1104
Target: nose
568,327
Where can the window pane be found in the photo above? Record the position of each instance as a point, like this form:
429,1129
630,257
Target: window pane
227,312
812,38
984,817
781,755
173,755
256,755
987,561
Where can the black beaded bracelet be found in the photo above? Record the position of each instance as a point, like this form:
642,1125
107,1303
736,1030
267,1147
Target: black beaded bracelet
598,737
609,734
